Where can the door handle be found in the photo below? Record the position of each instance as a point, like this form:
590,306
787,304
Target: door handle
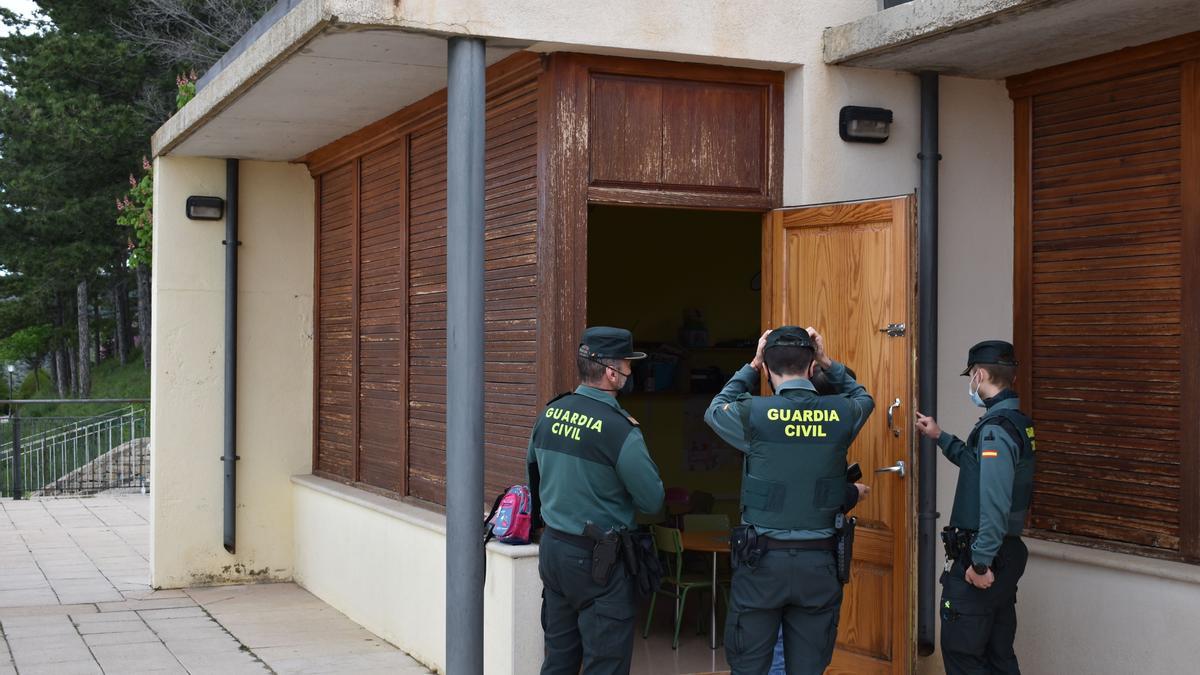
898,468
891,417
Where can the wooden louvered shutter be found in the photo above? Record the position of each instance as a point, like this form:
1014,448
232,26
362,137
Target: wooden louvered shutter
510,261
381,319
1104,321
511,291
427,313
335,331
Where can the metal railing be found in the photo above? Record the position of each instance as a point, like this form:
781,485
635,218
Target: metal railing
58,455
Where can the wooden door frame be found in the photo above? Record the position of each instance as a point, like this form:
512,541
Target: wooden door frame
565,192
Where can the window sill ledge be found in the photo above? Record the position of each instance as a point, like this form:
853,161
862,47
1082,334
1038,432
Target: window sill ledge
408,513
1121,562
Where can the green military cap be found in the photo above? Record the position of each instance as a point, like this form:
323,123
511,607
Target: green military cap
996,352
605,342
789,336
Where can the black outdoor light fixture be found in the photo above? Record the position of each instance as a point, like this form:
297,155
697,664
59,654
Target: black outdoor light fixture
205,208
858,124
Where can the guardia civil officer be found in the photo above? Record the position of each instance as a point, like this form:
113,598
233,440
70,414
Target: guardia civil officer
793,487
590,473
985,554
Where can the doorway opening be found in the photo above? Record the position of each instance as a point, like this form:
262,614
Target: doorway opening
687,284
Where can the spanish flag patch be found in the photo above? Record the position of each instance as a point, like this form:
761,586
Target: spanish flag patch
991,453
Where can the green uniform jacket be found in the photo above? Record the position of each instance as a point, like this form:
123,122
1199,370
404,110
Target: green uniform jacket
998,455
725,415
591,470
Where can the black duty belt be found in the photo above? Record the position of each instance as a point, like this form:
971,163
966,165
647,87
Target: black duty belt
828,544
577,540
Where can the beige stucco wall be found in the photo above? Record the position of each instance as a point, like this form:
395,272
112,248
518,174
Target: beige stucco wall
383,564
187,378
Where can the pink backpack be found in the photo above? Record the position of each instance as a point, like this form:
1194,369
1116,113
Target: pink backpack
511,519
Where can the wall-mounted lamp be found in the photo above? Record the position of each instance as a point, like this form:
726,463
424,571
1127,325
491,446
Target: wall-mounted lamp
857,124
205,208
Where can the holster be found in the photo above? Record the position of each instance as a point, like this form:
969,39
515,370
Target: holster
957,543
745,546
641,561
843,526
605,552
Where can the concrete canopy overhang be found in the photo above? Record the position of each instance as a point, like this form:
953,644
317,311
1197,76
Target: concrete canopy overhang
994,39
320,71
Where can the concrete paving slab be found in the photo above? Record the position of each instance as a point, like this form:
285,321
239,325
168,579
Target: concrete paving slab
139,635
88,667
136,658
45,610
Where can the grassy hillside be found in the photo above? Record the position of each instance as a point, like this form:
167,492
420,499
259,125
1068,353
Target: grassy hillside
109,380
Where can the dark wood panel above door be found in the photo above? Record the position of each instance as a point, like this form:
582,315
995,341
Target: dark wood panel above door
671,134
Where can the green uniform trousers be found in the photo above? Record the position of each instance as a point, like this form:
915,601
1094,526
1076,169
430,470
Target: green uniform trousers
586,623
798,588
979,626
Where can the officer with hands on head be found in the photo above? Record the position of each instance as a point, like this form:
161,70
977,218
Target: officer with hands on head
985,556
793,487
589,473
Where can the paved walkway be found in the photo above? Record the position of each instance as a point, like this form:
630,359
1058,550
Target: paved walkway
74,598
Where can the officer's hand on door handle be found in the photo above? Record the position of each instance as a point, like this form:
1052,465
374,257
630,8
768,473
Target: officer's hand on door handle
928,426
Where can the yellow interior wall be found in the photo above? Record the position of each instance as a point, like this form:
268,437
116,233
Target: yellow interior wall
645,266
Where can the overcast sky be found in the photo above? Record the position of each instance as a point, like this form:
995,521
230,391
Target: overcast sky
23,7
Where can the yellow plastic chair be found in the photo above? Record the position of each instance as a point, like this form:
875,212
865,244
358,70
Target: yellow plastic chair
675,584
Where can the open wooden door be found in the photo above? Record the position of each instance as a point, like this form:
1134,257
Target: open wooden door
848,270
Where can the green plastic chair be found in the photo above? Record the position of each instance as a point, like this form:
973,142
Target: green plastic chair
675,583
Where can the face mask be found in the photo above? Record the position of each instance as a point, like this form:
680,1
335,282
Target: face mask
627,388
974,393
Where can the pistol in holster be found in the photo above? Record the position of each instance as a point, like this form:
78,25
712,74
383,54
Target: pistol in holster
605,552
843,532
957,543
746,546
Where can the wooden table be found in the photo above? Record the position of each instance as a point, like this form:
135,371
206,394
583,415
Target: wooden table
708,542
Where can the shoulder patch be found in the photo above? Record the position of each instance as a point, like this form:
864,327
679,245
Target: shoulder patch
631,419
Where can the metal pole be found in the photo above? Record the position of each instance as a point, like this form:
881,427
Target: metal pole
231,289
464,356
14,415
927,304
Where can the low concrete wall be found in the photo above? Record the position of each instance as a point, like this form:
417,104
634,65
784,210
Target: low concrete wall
383,564
187,375
1081,610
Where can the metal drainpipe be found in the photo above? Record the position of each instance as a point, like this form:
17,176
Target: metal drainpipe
230,457
464,356
927,282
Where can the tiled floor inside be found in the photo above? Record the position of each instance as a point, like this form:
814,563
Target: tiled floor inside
74,598
654,656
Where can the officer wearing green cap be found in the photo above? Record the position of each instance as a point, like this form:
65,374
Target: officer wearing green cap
590,473
793,488
985,556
